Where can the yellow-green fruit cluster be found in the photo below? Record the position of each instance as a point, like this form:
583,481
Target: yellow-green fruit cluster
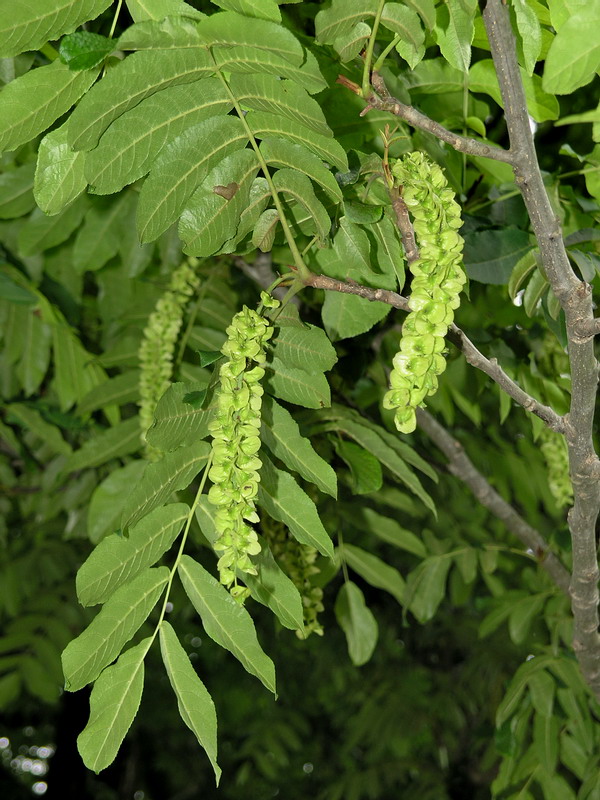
435,289
158,342
556,454
298,562
235,429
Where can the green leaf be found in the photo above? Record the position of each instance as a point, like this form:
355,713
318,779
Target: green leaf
262,9
195,703
158,9
181,167
75,371
109,498
303,346
530,32
522,615
161,33
365,469
117,560
297,386
541,105
177,422
31,103
35,353
426,586
490,256
59,174
340,18
574,55
271,586
176,471
124,86
521,271
298,186
346,315
554,786
425,9
18,295
404,22
84,50
98,238
374,571
391,532
212,215
41,232
534,292
280,433
114,702
230,29
357,622
250,59
115,442
34,422
101,642
225,620
130,146
435,76
28,26
466,563
513,695
542,689
117,391
264,124
350,44
454,31
285,501
264,231
16,196
262,92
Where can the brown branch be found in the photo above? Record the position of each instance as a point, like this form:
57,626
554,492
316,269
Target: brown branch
404,225
383,101
463,468
576,301
587,328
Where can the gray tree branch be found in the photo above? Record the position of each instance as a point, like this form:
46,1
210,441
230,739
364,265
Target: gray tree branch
575,298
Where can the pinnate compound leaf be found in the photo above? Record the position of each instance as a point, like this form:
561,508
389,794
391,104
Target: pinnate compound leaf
266,125
303,346
31,103
124,86
117,560
159,9
374,571
350,44
101,642
262,9
297,386
281,434
28,26
271,586
541,105
84,50
285,501
59,174
128,149
262,92
114,702
225,620
181,167
357,622
522,616
177,422
405,22
75,371
282,153
240,58
109,498
513,694
195,703
122,439
454,31
33,421
117,391
41,231
176,471
364,468
161,34
292,183
213,213
230,29
574,55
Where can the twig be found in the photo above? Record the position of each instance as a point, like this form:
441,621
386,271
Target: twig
463,468
404,225
587,328
383,101
576,301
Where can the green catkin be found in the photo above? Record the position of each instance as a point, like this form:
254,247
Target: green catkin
555,452
235,429
438,279
158,344
298,562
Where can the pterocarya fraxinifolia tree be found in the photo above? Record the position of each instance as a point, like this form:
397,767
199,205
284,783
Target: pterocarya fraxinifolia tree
206,208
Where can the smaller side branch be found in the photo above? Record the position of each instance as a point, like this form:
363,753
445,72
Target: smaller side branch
463,468
587,329
383,101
